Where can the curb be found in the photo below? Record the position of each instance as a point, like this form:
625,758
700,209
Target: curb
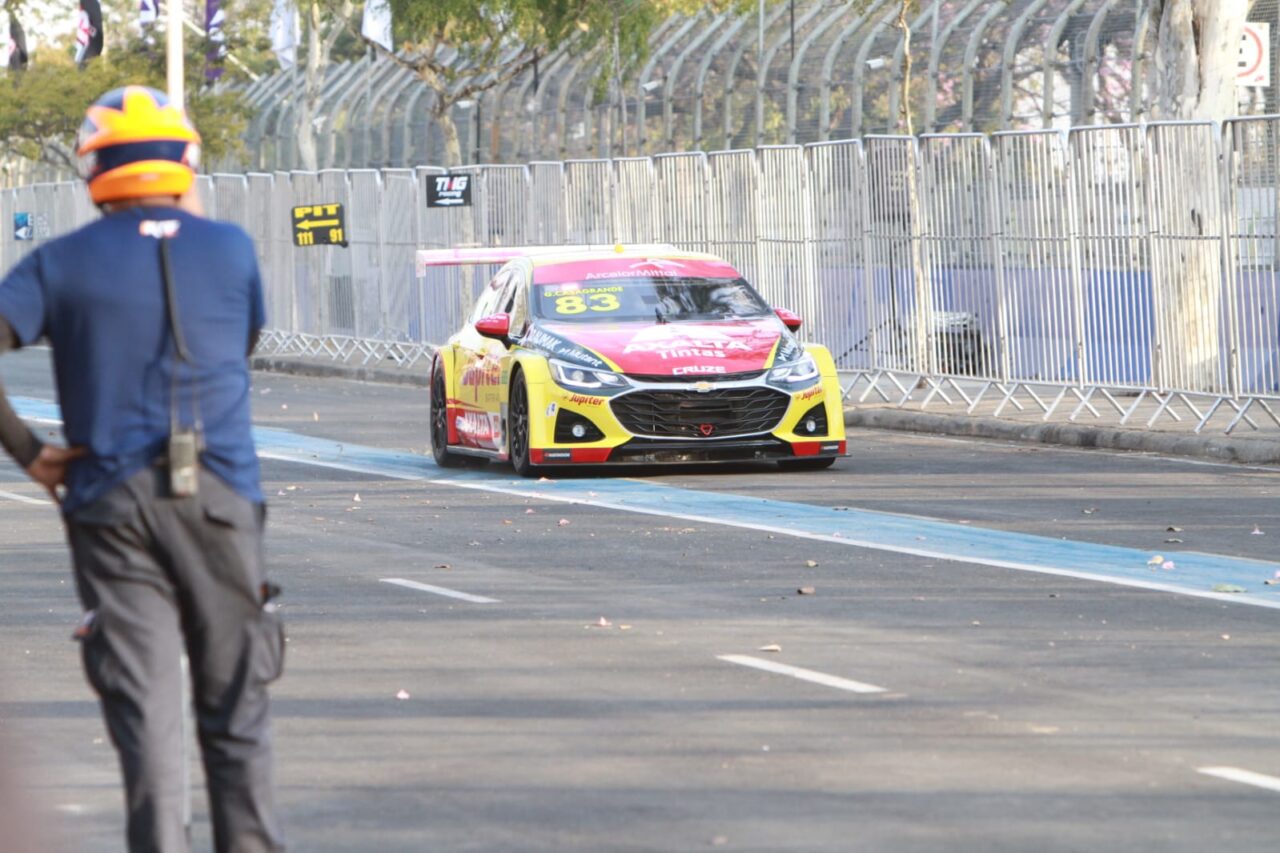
337,370
1218,448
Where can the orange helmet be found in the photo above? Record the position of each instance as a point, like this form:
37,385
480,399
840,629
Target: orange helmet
133,144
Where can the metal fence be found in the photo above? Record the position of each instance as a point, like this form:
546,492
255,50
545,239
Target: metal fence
830,69
1110,269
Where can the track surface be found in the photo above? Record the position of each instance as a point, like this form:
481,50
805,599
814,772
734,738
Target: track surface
1015,710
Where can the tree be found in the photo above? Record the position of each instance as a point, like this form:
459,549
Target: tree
460,49
1192,76
42,108
326,22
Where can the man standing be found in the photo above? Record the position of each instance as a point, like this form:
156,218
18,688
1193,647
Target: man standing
151,312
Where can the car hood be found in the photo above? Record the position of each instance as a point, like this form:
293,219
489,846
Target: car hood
678,349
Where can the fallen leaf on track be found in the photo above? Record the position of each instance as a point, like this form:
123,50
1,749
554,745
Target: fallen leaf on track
403,694
813,564
806,590
564,522
772,647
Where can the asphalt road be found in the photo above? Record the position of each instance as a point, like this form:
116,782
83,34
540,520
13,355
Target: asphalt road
589,704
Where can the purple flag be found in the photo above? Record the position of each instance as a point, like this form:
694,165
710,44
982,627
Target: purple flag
216,40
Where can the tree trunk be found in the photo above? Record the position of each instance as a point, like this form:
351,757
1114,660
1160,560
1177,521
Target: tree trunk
905,94
1192,77
311,92
1197,48
449,130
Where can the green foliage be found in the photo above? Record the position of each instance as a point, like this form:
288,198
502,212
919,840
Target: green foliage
41,109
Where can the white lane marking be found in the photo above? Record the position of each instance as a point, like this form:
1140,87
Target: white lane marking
1244,777
23,499
510,488
306,458
928,553
440,590
802,674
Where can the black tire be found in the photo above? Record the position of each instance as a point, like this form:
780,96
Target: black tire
440,423
518,426
807,463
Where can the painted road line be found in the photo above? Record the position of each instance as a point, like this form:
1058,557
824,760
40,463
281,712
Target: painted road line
440,590
802,674
1193,574
1244,777
23,499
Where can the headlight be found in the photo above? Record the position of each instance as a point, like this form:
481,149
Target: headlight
797,374
584,378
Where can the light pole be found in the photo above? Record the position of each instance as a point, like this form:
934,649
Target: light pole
173,53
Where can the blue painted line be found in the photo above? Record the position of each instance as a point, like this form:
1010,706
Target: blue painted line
1194,573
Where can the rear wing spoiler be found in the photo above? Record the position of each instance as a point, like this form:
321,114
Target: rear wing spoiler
476,256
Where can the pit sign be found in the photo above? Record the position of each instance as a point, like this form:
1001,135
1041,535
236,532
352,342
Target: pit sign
319,225
1255,56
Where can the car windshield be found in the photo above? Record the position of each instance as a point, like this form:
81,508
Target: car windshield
666,300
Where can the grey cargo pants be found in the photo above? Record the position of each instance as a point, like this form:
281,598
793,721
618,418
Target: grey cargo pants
160,575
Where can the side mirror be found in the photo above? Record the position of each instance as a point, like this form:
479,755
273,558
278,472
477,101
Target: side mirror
496,326
789,319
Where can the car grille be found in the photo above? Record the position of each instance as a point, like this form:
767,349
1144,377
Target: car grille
718,413
696,377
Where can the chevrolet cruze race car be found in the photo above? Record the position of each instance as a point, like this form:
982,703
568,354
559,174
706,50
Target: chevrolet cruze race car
628,355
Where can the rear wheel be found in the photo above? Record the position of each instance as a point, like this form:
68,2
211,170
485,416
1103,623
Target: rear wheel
518,426
440,423
807,463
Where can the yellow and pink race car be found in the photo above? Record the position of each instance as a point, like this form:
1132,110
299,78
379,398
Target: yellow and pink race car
628,355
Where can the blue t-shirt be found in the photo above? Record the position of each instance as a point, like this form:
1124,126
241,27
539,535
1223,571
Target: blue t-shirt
98,295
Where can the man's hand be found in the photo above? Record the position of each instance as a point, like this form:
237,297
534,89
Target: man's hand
50,468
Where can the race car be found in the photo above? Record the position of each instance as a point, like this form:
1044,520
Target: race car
627,355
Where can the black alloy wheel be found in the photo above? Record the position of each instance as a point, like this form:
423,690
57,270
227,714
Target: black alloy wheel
440,423
518,426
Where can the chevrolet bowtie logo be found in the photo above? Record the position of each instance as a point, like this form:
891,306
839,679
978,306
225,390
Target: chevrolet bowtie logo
702,387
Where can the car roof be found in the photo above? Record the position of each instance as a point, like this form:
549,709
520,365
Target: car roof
539,256
617,253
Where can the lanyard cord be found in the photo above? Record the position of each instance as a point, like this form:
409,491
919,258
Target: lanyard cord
182,355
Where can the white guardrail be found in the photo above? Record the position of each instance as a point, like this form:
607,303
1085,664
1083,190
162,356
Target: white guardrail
1081,272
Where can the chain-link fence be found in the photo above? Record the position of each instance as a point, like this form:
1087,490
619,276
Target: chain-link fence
1078,272
830,69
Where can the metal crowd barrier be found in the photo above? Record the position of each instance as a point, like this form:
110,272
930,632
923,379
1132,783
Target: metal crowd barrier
1102,270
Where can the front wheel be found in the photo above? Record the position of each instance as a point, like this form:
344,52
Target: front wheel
518,427
440,423
807,463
